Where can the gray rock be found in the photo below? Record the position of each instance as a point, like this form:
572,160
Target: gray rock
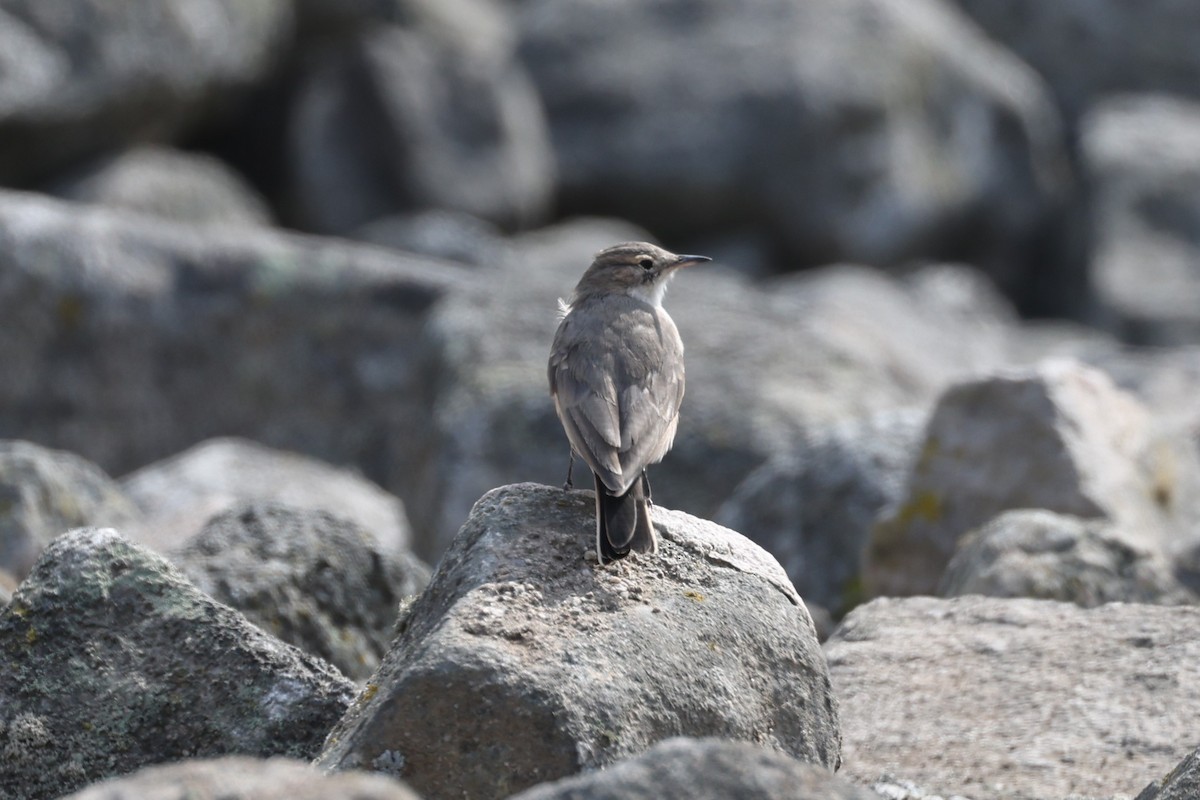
81,80
179,495
448,235
315,580
8,585
1142,156
112,660
127,339
434,113
1016,699
763,364
44,493
1037,553
813,508
869,130
525,662
1059,437
241,778
185,187
1181,783
1086,49
703,769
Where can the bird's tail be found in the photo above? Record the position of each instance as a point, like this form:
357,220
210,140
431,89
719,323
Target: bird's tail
623,523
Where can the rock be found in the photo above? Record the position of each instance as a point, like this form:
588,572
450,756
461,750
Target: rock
743,116
105,74
440,234
112,660
763,364
8,585
1059,437
185,187
179,495
127,339
813,508
434,113
315,580
1009,699
43,493
1037,553
1086,49
703,769
1181,783
241,778
571,667
1141,155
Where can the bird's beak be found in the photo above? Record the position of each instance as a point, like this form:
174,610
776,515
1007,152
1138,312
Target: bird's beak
683,261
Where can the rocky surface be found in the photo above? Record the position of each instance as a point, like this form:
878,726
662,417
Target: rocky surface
1038,553
743,117
315,580
241,778
1180,783
1060,437
112,660
703,769
44,493
180,494
1015,699
576,667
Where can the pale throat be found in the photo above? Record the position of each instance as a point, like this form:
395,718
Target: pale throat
651,293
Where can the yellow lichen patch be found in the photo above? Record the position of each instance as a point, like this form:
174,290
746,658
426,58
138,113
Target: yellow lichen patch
31,635
694,596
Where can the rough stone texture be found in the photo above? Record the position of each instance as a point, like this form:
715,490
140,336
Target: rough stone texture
185,187
83,77
763,363
1040,554
1086,49
1016,699
1142,155
315,580
126,339
1060,437
431,113
703,769
1181,783
570,666
449,235
813,508
111,660
240,778
179,495
44,493
857,130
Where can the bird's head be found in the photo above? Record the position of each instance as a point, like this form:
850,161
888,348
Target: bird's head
636,268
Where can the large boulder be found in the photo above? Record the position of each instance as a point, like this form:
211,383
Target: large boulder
179,495
111,660
763,364
858,130
703,769
81,78
314,579
185,187
1038,553
1142,156
241,778
127,339
44,493
1181,783
1016,699
526,662
1059,437
1086,49
432,112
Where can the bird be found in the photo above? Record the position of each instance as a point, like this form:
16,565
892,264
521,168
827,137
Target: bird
617,379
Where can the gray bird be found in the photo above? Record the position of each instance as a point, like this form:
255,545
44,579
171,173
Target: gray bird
616,376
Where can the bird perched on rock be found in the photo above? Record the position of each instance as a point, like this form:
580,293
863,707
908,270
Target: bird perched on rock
616,376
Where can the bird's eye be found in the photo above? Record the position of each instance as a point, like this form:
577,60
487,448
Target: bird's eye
645,263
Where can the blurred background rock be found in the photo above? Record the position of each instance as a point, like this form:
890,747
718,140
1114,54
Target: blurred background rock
339,229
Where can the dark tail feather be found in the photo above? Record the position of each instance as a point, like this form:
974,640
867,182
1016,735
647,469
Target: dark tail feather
623,523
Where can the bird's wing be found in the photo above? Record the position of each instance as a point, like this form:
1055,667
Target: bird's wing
650,412
585,398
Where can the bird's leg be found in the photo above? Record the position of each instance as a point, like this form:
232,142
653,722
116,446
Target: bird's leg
569,485
646,488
